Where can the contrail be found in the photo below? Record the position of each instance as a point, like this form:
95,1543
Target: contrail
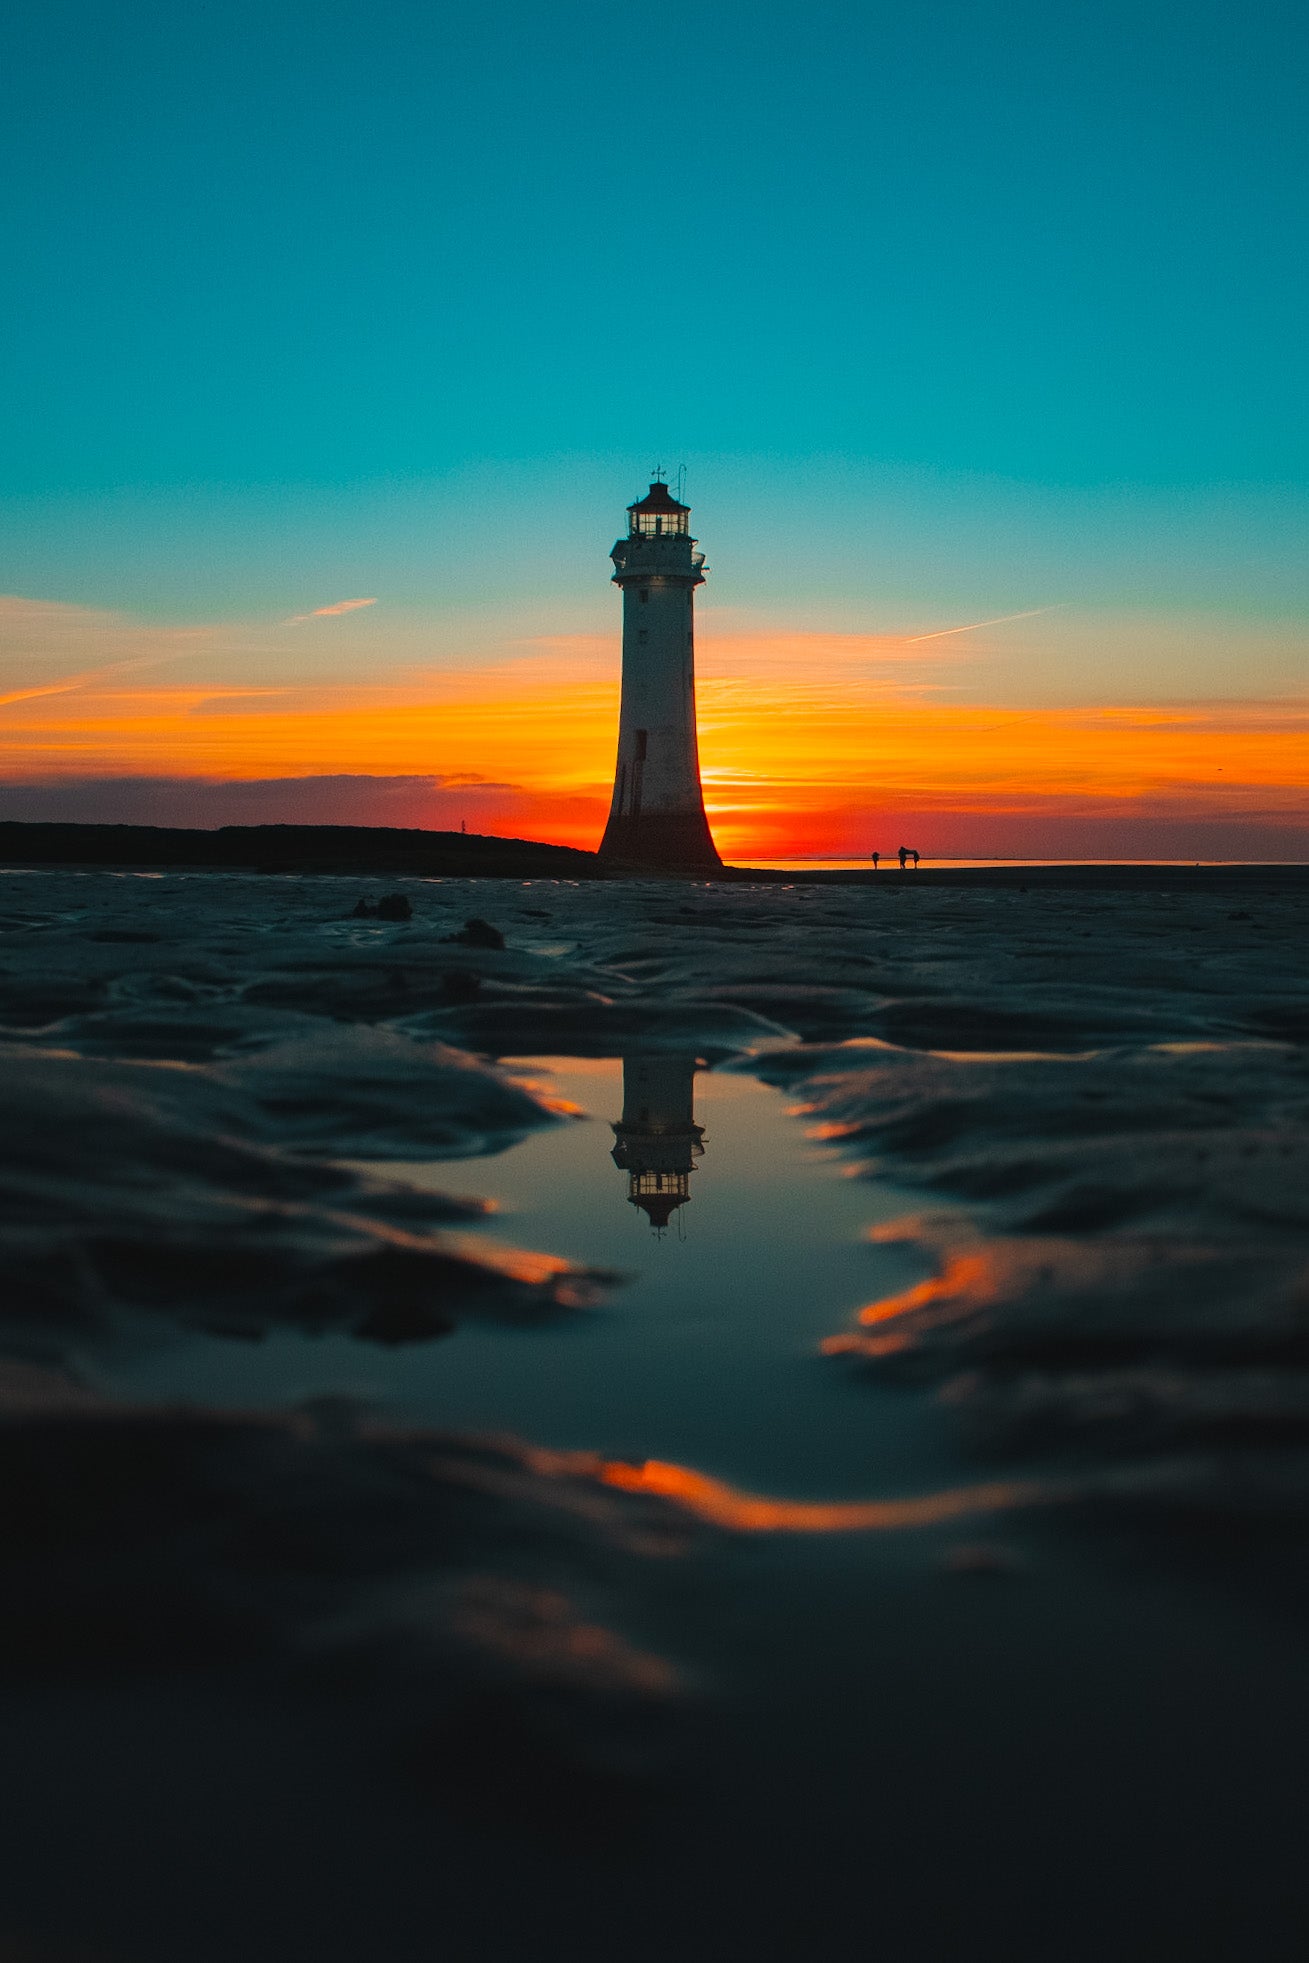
321,613
999,621
70,682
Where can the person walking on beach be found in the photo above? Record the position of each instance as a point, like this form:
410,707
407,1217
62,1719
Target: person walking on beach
876,858
904,854
914,856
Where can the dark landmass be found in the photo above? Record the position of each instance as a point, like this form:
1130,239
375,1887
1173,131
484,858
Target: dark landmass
1106,878
293,848
365,849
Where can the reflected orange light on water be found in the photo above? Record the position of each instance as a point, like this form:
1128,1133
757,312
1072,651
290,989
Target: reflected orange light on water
963,1275
721,1505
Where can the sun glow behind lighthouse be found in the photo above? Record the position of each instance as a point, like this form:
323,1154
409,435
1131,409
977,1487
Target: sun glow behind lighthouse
811,741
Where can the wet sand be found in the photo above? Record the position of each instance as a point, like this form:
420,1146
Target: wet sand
303,1662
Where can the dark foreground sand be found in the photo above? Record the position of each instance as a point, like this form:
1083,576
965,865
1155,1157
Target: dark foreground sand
309,1685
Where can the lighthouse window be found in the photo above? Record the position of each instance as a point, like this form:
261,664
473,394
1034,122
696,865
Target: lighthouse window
651,524
642,738
645,596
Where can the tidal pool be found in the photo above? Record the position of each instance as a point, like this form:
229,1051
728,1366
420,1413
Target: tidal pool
738,1243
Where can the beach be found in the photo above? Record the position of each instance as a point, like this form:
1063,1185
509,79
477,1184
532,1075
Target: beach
416,1547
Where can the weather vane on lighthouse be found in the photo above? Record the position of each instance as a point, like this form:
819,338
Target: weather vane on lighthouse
657,817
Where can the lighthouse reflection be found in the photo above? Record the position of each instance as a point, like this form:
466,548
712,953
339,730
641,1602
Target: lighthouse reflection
657,1141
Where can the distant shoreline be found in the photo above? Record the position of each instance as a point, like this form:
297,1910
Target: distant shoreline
366,852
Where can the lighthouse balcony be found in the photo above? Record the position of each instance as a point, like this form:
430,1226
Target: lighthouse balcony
672,557
659,1150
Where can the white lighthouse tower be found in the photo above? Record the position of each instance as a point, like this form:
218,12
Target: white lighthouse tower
657,817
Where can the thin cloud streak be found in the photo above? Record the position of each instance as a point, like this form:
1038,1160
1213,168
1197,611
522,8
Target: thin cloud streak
69,683
327,613
808,739
999,621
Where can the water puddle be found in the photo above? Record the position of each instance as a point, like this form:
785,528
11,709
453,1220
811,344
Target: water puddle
742,1244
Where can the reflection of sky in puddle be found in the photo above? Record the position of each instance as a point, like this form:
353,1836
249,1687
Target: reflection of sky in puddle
707,1354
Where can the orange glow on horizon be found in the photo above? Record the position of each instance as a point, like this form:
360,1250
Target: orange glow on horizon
808,744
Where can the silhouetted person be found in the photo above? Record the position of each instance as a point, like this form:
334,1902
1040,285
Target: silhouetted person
904,854
914,856
876,858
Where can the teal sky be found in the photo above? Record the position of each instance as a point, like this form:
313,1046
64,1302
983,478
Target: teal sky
951,311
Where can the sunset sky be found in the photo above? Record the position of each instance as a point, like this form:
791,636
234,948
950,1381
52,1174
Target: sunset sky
342,335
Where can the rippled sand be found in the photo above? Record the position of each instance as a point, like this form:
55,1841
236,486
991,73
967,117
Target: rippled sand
441,1694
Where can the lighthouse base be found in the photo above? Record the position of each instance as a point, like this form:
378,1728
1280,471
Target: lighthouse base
665,841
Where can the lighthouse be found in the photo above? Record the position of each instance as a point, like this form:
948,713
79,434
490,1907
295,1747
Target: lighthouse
657,818
657,1140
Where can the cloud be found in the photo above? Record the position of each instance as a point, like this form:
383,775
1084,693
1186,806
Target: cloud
756,652
805,738
38,634
324,613
944,633
341,798
39,631
67,684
